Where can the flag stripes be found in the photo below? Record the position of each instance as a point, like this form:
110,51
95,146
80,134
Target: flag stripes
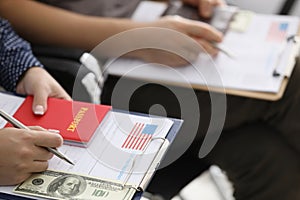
277,32
139,136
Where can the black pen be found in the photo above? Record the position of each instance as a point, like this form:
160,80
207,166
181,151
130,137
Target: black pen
18,124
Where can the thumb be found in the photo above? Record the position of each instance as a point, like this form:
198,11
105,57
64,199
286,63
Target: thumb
39,105
205,8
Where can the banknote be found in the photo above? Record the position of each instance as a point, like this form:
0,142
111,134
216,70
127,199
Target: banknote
63,185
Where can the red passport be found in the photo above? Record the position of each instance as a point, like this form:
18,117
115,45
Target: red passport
77,121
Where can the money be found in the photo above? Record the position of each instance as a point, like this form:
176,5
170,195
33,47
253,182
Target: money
62,185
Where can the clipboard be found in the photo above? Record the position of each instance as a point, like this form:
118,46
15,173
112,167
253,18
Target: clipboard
126,70
225,16
139,188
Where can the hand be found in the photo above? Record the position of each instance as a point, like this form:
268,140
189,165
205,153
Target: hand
21,153
201,32
174,48
170,40
205,7
41,85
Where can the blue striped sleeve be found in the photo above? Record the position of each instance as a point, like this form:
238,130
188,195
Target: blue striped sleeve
15,56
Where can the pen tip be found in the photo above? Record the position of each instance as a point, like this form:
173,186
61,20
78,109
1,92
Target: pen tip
69,161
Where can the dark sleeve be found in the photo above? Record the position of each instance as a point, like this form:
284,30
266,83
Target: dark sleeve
15,56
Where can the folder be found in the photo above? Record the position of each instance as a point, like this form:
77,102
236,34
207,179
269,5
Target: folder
135,162
271,50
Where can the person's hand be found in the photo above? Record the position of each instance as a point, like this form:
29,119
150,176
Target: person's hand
21,153
39,83
172,41
202,33
176,40
205,7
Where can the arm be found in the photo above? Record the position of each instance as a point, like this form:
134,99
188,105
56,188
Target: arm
19,72
70,29
21,153
16,57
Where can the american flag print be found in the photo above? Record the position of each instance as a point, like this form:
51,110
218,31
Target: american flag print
139,136
277,32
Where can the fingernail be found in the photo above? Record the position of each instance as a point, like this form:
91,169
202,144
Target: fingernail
53,130
39,110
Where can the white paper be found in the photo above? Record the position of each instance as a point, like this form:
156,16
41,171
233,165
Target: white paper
9,104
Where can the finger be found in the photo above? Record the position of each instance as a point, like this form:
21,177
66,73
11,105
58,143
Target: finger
205,8
47,139
62,94
37,128
42,154
39,166
39,105
204,31
208,47
59,92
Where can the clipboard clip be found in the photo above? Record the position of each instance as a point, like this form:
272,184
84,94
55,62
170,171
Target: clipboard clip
150,170
293,38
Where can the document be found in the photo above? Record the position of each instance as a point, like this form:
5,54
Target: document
261,47
126,148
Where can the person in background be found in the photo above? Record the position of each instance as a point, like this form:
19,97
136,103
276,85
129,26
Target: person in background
21,151
77,30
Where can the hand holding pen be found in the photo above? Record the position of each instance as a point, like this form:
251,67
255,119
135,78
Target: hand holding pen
24,151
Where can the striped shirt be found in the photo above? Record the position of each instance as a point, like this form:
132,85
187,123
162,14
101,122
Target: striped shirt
15,56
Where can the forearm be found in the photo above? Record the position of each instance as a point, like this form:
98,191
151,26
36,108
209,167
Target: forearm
43,24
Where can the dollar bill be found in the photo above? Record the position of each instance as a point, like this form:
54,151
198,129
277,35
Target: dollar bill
62,185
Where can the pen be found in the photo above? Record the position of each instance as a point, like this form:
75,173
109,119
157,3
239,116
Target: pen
18,124
222,49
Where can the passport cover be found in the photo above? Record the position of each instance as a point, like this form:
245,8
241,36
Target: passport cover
77,121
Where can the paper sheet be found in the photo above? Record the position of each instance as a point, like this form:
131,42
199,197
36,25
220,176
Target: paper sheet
9,104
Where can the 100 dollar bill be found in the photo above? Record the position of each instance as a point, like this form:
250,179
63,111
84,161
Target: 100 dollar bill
62,185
